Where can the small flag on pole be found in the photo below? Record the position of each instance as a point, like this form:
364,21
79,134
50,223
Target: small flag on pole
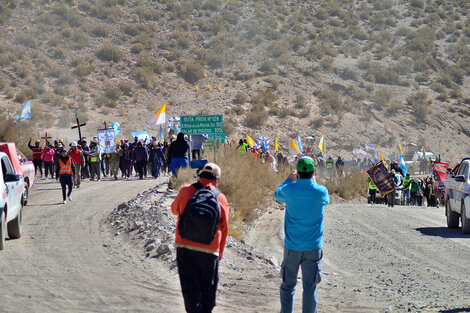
250,141
276,147
381,157
301,148
159,118
116,127
293,150
25,113
322,146
423,150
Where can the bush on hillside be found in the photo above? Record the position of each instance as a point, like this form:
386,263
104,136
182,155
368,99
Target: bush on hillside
256,117
192,72
110,52
419,104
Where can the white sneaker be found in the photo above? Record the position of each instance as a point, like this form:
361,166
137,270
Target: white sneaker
70,198
65,201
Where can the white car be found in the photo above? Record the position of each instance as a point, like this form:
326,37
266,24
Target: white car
457,199
11,201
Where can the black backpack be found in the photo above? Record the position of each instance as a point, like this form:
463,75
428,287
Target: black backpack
200,219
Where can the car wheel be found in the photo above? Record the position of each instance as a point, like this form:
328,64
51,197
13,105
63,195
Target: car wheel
452,217
15,227
465,221
2,230
25,194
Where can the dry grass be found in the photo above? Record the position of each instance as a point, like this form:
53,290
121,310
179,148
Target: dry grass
247,183
347,187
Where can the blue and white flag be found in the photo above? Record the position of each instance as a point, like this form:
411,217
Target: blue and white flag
25,113
116,127
144,135
301,147
403,165
162,135
369,147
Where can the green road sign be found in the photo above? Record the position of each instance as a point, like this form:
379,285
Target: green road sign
202,124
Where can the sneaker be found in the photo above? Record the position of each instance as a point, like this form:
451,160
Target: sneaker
64,202
70,198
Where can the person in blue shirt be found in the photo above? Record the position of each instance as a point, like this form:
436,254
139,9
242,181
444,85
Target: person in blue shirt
303,226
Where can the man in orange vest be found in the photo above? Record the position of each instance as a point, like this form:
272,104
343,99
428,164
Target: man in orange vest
65,171
37,155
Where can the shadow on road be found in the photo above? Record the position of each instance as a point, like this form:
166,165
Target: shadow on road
459,310
443,232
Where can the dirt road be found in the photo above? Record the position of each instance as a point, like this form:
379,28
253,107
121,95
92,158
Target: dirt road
377,259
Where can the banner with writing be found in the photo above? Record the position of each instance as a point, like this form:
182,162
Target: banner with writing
106,139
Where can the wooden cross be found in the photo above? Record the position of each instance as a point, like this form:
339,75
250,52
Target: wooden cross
105,126
79,128
46,137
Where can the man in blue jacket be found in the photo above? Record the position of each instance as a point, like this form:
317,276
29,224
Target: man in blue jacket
303,226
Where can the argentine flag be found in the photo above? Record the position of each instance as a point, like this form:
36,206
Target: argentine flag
116,127
301,147
25,113
403,165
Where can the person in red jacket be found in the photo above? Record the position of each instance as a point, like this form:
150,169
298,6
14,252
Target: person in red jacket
198,264
37,155
78,159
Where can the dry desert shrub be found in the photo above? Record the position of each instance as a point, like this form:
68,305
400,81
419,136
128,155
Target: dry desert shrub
347,187
248,184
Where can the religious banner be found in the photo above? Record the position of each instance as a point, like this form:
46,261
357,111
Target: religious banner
106,141
439,175
382,179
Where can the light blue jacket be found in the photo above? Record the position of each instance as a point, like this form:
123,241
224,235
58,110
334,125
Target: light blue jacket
305,202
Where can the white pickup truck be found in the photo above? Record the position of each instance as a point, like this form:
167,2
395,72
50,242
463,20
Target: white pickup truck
457,199
11,201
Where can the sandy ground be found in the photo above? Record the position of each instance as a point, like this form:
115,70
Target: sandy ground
377,259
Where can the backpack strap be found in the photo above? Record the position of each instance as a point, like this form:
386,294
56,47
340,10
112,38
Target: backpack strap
199,186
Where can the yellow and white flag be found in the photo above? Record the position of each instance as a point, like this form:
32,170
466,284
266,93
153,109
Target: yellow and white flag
250,141
159,118
322,146
293,149
276,147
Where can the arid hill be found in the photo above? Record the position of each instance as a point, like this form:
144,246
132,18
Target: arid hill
383,72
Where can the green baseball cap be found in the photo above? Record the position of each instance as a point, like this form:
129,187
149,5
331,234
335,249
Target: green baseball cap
305,164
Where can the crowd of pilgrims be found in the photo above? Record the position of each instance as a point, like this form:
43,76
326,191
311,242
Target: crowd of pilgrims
141,158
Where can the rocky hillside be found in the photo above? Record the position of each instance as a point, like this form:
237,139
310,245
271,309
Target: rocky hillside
383,72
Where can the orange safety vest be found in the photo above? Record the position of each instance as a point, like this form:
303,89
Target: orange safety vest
65,169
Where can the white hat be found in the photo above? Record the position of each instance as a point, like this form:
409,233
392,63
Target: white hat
74,144
211,168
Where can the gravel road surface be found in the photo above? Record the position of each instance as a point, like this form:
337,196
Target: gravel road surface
376,259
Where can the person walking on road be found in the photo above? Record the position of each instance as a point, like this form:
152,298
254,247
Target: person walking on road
65,171
372,191
114,159
305,201
78,159
37,155
329,166
178,153
95,156
48,159
198,263
141,158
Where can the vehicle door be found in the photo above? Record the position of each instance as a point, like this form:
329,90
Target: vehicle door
13,189
460,187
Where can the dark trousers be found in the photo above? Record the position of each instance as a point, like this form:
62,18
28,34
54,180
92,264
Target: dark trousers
141,168
156,168
37,165
196,154
66,180
198,272
372,195
48,168
391,199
